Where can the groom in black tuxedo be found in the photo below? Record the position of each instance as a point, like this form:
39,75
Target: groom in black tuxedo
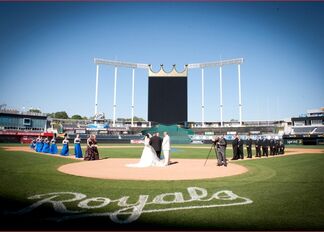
156,143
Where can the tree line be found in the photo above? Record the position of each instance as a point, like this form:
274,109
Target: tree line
64,115
60,114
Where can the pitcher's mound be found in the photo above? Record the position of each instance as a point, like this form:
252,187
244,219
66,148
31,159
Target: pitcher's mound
180,169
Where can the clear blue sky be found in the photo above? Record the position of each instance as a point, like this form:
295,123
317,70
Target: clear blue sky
47,51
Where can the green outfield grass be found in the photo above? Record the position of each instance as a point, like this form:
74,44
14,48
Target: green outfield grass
287,194
306,146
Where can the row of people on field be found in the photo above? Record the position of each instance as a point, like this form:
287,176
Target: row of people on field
262,145
46,146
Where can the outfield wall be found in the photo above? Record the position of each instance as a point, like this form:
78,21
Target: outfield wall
303,139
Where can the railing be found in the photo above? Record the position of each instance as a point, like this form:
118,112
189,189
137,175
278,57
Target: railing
8,111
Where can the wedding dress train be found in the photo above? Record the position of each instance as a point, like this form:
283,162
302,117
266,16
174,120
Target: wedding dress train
148,158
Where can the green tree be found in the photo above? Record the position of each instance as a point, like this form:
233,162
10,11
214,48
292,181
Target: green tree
76,116
121,119
138,119
61,114
34,111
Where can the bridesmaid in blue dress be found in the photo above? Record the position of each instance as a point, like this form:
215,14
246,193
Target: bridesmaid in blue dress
77,147
53,147
46,146
33,144
65,148
39,145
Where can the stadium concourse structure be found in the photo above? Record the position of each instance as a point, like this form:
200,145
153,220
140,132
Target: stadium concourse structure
17,126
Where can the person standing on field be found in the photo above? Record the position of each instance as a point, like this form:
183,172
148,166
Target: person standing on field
249,147
240,149
166,147
235,148
258,144
221,150
156,143
265,146
77,147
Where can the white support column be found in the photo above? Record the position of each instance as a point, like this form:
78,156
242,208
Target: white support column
97,84
221,94
240,95
133,95
202,99
115,95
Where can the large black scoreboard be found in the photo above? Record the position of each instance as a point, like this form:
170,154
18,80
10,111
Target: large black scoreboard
167,99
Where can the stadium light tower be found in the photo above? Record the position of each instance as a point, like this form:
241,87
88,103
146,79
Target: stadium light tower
240,95
97,83
133,95
219,64
202,99
115,95
202,66
116,65
221,94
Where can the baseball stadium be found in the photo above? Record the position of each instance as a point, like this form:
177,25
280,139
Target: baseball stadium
166,169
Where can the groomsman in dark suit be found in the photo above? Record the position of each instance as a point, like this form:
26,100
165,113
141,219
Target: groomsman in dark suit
272,146
265,147
240,148
281,147
277,142
156,143
249,147
258,145
235,148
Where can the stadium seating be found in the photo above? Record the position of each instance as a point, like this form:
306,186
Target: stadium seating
303,130
319,130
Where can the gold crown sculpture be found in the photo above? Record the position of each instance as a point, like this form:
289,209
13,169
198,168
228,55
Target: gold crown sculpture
173,73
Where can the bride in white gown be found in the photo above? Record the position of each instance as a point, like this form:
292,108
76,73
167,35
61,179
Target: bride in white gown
149,157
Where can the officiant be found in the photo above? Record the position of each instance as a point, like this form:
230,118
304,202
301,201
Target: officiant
156,143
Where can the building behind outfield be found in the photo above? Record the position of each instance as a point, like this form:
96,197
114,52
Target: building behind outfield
307,129
15,120
16,125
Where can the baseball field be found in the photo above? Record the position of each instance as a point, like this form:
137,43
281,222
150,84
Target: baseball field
277,193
